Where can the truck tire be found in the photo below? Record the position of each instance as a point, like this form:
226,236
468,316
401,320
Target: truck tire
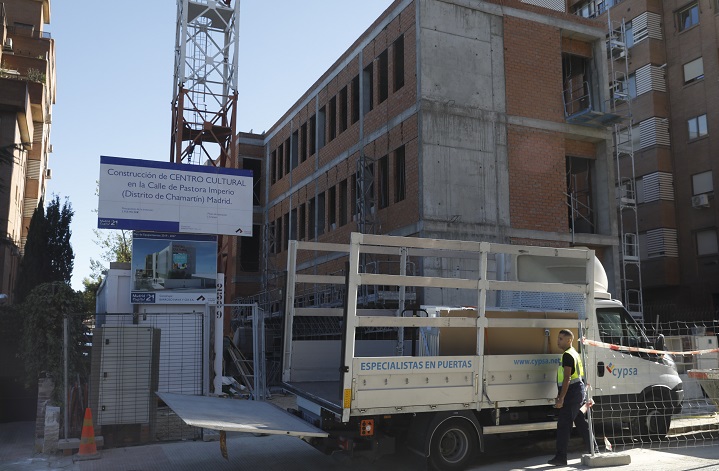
453,446
654,421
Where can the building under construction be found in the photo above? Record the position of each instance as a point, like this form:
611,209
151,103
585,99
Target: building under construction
471,120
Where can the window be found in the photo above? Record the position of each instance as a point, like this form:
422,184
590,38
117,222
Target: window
320,214
639,189
332,207
617,327
256,167
273,168
332,118
629,34
293,224
355,99
353,195
311,217
688,16
321,127
303,142
707,242
367,89
398,62
250,250
693,70
702,183
287,233
400,179
697,126
280,161
383,182
343,203
294,147
343,110
383,72
287,155
313,127
278,235
301,227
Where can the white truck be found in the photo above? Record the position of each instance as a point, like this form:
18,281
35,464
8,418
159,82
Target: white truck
441,378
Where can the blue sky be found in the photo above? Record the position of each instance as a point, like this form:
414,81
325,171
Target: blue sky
115,82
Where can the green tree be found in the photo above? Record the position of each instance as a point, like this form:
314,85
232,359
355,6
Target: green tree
48,254
42,335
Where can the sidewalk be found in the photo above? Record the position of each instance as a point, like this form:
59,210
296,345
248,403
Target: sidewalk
280,453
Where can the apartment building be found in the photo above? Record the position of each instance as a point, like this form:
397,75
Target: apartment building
27,93
671,89
470,120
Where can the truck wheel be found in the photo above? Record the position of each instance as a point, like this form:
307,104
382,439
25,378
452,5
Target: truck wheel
654,422
454,444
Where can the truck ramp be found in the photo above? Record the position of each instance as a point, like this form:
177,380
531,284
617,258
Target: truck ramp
237,415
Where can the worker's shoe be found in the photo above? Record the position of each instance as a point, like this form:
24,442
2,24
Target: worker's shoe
557,462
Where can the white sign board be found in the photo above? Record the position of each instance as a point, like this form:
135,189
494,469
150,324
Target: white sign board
167,197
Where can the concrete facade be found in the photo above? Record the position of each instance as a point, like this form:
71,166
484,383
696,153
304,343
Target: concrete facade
459,110
27,93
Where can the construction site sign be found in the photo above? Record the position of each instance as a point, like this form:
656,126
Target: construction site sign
167,197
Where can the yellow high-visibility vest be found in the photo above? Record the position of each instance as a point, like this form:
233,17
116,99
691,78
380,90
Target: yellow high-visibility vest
578,368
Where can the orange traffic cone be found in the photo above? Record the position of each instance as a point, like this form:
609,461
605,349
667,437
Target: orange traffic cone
88,450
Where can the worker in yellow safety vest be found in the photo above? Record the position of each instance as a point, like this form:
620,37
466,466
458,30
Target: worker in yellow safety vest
571,397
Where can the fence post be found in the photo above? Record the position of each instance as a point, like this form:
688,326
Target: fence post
65,325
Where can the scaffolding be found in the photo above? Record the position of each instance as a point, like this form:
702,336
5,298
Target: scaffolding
620,104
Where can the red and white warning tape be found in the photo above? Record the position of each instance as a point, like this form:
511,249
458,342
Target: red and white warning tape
622,348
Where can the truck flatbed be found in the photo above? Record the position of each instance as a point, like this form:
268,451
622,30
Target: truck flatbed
324,393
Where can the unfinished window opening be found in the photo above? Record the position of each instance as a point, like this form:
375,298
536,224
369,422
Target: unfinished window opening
250,251
311,218
383,167
332,207
302,223
400,178
367,89
273,166
579,195
255,166
320,214
321,127
353,196
271,237
303,142
287,231
287,156
343,110
278,235
280,161
293,224
332,118
355,99
398,62
343,203
294,147
312,135
576,71
383,75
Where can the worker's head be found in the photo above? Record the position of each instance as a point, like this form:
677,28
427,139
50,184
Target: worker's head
564,339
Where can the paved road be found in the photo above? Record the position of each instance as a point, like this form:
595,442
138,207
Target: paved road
278,453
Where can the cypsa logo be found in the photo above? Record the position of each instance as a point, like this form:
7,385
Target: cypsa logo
620,373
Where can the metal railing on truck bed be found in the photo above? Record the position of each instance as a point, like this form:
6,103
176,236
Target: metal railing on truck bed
378,375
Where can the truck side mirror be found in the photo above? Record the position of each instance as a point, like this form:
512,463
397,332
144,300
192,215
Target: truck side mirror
660,343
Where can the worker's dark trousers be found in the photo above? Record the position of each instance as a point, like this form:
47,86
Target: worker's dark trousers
570,413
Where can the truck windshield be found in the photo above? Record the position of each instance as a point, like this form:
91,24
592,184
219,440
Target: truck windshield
617,327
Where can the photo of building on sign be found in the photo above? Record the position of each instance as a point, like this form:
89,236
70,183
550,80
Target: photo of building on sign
173,267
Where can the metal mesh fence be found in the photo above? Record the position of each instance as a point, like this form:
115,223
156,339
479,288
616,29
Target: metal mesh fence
639,402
